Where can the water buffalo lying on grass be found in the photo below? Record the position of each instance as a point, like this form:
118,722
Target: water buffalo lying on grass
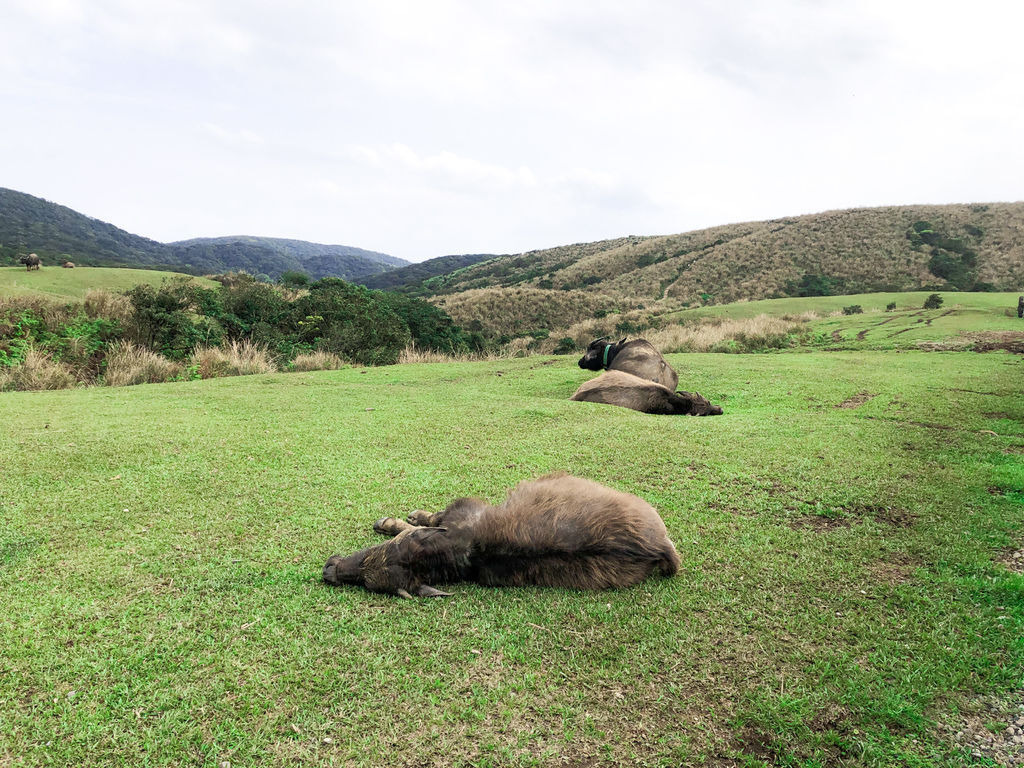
68,265
558,531
32,261
628,391
638,357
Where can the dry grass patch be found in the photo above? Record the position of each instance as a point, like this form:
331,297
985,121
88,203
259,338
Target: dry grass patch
411,354
51,312
128,364
38,371
239,358
98,302
717,335
316,361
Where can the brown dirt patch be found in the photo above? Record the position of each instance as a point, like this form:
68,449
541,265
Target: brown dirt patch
991,728
862,334
897,517
846,516
820,523
1013,560
893,569
857,400
902,330
981,341
837,336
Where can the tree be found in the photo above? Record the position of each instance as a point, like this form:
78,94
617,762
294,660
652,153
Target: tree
934,301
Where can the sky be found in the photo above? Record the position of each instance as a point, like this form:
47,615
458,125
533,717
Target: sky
421,128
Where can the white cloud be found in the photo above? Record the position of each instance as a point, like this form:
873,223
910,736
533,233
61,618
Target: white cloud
428,128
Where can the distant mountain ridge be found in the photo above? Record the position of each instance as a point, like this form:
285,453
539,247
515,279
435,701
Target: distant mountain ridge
55,232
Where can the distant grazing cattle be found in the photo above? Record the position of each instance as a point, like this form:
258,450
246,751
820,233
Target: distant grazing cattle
68,265
32,261
638,357
629,391
557,531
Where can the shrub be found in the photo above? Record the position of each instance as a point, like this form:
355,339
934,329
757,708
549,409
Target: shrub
853,309
934,301
294,279
316,361
128,364
565,346
891,306
38,371
238,358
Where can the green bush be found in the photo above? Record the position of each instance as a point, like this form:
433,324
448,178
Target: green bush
853,309
891,306
934,301
565,346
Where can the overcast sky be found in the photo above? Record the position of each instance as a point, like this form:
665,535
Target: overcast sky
427,127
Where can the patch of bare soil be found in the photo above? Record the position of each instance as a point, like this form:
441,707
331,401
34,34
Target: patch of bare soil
893,569
947,312
897,517
990,729
820,523
981,341
1013,559
837,336
857,400
755,742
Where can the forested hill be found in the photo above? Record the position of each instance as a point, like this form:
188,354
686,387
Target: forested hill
30,224
951,247
410,279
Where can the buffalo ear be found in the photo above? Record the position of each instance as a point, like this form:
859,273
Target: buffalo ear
425,590
623,340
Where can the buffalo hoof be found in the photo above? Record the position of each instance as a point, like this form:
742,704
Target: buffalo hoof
390,526
419,517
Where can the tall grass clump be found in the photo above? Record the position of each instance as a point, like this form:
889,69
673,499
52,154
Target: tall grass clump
712,335
99,302
318,360
128,364
37,371
413,354
237,358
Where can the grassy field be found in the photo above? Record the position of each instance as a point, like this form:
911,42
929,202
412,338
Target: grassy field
842,529
962,318
58,283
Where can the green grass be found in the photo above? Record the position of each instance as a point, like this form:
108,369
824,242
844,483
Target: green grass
162,545
59,283
996,303
960,319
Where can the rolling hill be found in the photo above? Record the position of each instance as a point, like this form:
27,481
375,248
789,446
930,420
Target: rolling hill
958,247
410,278
56,232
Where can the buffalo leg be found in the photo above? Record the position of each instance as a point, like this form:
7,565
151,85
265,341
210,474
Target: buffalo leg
391,526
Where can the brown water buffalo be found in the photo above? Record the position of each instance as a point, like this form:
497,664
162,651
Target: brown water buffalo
629,391
68,265
557,531
638,357
32,261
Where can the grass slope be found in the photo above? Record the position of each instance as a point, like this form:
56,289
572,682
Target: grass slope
59,283
961,319
162,544
862,249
